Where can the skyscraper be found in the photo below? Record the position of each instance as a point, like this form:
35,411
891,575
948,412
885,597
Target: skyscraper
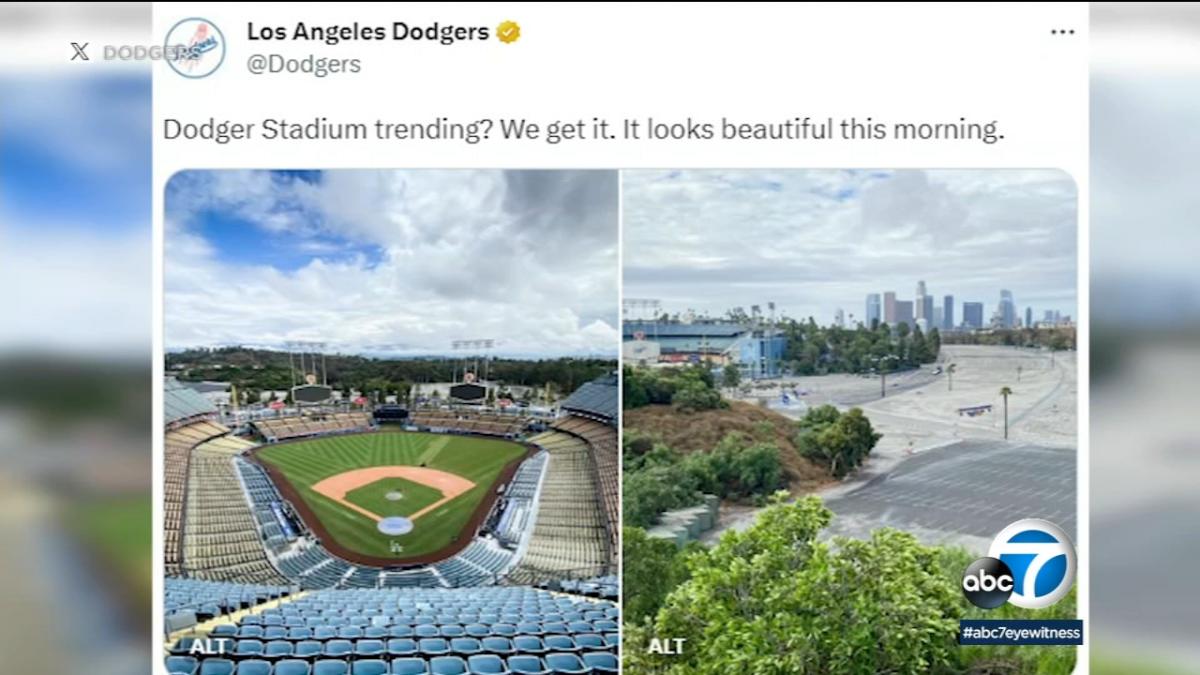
948,312
1029,317
1007,311
889,308
904,313
919,306
874,310
973,314
937,318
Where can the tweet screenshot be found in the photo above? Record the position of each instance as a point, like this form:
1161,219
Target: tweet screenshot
645,338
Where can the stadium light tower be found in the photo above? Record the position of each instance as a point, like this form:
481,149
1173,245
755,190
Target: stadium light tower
475,349
641,306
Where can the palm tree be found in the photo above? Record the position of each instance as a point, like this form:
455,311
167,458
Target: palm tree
950,376
1005,392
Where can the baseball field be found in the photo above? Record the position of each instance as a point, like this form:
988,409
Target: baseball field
350,484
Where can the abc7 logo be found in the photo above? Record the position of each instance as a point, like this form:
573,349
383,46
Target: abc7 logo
1030,564
987,583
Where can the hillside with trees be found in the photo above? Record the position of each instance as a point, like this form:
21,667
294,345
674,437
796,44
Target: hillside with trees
268,370
1055,339
821,350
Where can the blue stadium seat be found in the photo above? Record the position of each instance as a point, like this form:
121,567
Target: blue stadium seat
525,664
434,647
182,664
307,649
580,627
528,644
350,632
465,646
369,667
452,631
486,664
590,642
292,667
612,639
250,632
497,645
447,665
606,625
409,666
278,649
330,667
426,631
248,649
254,667
504,629
529,628
368,649
555,628
401,647
477,630
183,646
400,631
216,667
324,633
224,630
601,662
559,643
566,664
338,649
299,633
375,632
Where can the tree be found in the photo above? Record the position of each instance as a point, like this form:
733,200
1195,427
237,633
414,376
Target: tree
1006,392
731,377
652,567
776,598
840,441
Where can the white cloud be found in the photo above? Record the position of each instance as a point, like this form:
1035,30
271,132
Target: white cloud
814,241
528,258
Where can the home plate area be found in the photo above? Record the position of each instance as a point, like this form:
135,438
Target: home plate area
348,487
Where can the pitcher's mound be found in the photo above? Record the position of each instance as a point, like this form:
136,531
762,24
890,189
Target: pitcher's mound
395,526
394,496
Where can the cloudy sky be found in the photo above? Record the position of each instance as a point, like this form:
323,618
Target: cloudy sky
814,241
394,262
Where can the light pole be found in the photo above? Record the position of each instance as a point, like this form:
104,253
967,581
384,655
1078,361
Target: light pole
950,376
1005,392
883,368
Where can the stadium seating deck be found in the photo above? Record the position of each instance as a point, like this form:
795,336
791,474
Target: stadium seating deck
469,421
602,441
486,630
570,532
284,428
220,540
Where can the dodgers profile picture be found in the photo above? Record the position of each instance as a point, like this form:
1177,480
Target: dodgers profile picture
195,47
1030,564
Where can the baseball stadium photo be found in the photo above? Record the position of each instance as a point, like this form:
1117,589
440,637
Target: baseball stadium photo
390,422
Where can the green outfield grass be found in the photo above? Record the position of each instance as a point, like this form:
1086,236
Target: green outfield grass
373,497
306,463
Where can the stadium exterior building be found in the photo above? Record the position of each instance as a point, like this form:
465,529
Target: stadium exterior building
756,352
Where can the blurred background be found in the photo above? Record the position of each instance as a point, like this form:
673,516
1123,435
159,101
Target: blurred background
75,342
1145,308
